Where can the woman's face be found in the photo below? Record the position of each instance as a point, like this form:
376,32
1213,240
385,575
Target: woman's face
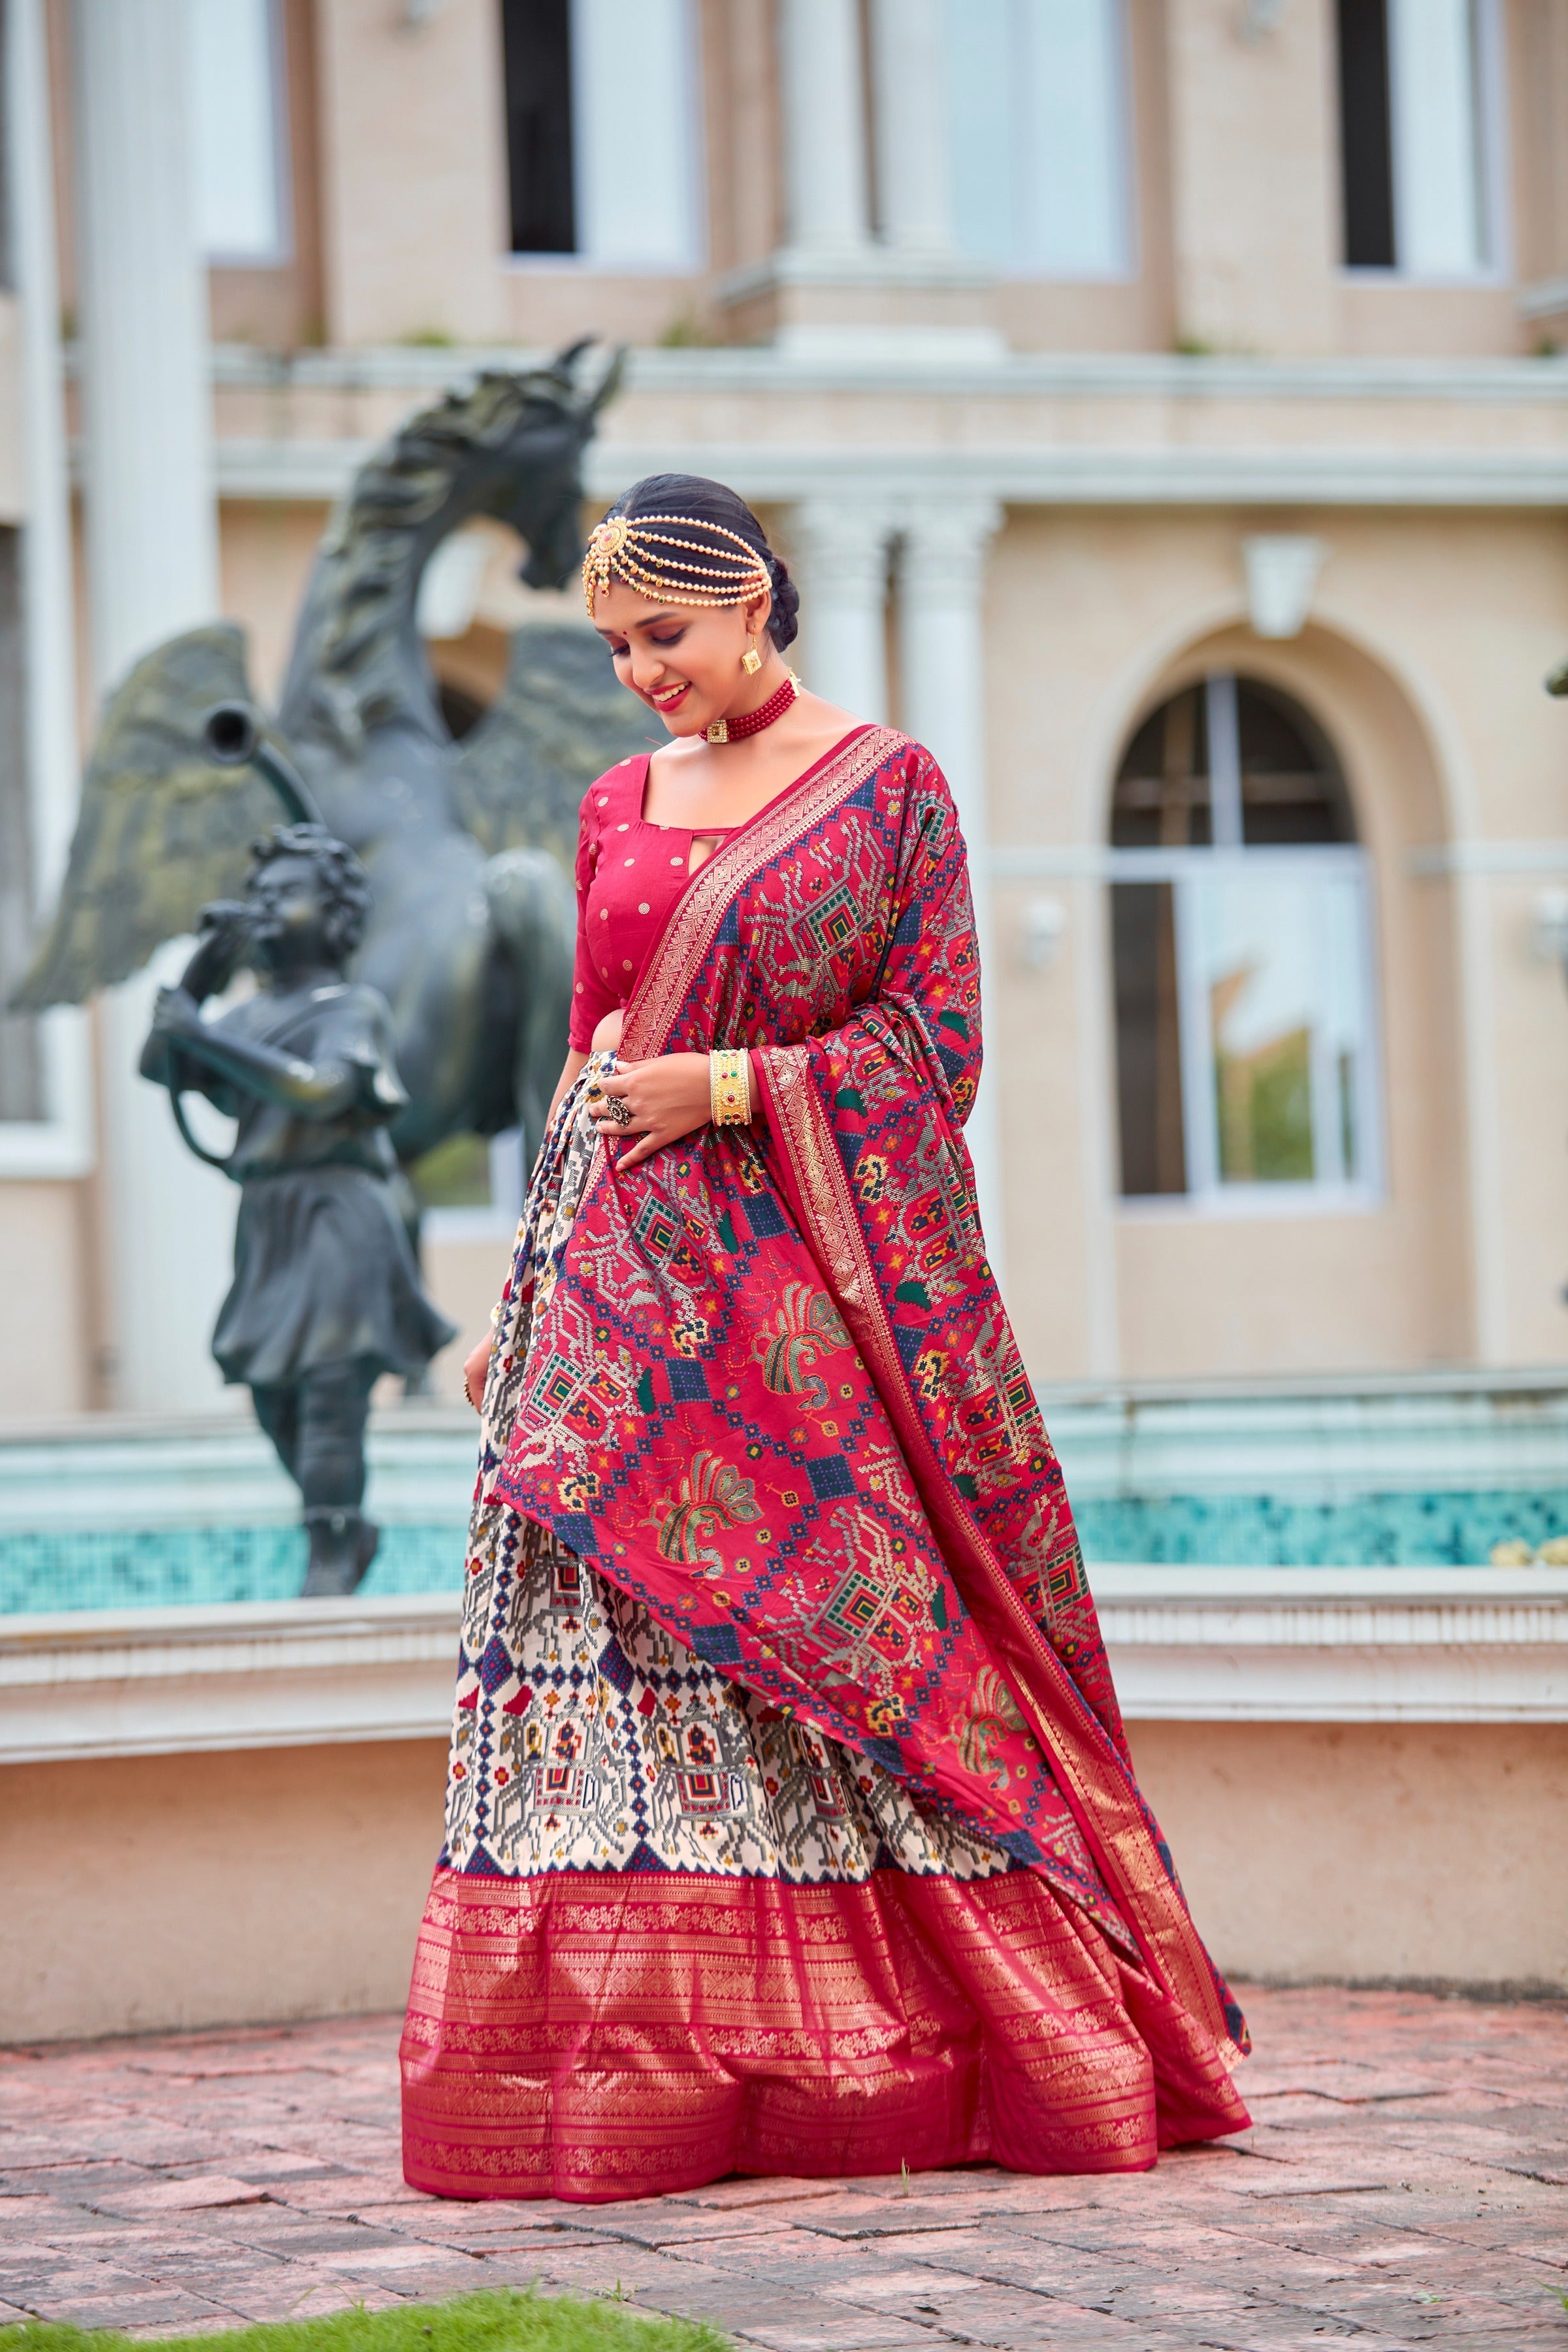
682,660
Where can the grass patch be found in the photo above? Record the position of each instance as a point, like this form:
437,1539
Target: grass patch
504,2319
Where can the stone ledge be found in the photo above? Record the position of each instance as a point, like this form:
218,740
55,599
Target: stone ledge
260,1673
1194,1645
1337,1644
1070,375
772,471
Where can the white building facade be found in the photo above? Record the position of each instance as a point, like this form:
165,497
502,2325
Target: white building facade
1159,403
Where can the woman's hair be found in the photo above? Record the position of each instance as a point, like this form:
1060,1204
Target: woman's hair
345,890
711,503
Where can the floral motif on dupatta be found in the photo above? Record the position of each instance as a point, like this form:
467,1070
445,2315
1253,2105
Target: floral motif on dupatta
769,1388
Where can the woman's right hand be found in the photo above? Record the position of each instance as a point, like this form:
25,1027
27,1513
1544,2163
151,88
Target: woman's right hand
475,1367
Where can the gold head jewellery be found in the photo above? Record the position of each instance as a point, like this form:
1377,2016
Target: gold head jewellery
720,569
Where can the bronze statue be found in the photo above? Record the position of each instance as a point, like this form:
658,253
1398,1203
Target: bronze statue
326,1292
436,864
471,923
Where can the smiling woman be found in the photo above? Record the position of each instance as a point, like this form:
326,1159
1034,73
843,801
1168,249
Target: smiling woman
790,1823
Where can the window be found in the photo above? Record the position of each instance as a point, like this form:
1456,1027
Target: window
1039,163
1415,117
601,130
21,1073
1240,934
238,114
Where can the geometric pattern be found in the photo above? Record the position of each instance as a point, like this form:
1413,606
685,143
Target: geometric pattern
764,1388
587,1740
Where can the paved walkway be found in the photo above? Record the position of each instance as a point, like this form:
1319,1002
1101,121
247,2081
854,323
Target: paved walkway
1405,2184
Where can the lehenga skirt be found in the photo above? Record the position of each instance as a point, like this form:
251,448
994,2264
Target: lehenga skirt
676,1933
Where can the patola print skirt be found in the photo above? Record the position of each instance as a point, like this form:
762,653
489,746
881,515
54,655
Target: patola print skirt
675,1934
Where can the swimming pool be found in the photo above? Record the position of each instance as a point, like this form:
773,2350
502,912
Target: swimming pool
1433,1470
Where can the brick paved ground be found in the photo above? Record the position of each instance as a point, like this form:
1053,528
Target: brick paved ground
1406,2183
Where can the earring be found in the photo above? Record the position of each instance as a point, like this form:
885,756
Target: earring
751,660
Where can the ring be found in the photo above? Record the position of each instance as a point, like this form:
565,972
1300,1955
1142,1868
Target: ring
618,1108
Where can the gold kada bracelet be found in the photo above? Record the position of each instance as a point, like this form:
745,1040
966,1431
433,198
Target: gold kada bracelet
729,1087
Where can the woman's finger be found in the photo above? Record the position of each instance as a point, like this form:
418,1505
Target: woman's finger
607,1124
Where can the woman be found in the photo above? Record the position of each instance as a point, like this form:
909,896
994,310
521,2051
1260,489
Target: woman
791,1826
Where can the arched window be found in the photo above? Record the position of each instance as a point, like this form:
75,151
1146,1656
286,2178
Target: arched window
1240,924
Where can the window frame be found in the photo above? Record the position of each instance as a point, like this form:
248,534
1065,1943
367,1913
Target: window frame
282,254
695,260
61,1144
1123,162
1494,174
1228,858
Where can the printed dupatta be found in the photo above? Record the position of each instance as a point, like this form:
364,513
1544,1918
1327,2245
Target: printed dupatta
766,1382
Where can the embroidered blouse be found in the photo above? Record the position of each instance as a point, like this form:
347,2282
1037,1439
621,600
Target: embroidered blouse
629,875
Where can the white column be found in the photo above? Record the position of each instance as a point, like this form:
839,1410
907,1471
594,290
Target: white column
841,547
46,536
913,142
64,1146
941,663
152,528
823,98
151,554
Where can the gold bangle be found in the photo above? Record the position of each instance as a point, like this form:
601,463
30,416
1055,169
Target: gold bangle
729,1087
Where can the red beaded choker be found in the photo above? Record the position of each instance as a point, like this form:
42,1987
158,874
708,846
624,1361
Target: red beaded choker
751,722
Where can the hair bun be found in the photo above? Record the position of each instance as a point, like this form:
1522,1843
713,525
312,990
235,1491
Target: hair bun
783,625
691,498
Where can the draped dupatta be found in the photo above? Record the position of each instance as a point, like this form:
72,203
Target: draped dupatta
766,1383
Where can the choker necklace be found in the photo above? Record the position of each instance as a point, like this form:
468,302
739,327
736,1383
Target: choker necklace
751,722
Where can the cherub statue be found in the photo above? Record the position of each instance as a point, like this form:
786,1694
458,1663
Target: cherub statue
326,1293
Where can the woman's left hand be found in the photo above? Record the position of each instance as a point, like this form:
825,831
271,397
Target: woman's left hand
667,1097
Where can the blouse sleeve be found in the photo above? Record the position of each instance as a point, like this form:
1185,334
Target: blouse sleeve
592,996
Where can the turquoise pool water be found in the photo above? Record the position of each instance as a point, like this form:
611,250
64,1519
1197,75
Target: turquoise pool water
1413,1471
164,1567
108,1568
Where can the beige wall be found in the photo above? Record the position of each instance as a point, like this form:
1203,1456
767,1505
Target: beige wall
465,1280
1537,36
266,550
1423,658
1425,669
413,171
284,306
289,1884
1253,146
45,1323
1425,1852
399,194
1424,662
205,1890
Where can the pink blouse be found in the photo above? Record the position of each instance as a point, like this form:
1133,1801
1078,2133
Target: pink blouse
629,875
